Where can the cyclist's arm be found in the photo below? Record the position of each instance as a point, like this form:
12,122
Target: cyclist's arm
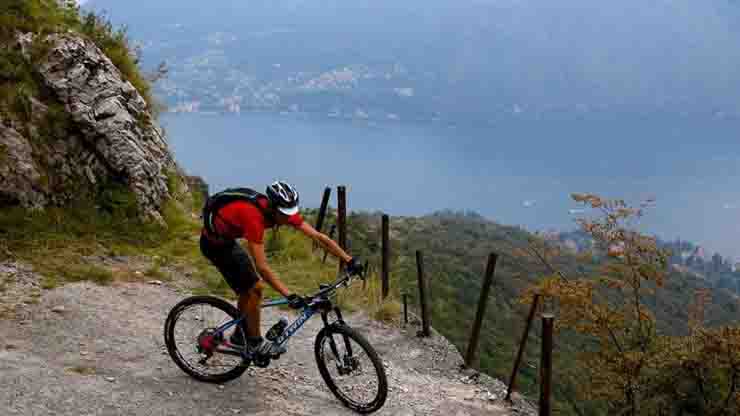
325,241
257,250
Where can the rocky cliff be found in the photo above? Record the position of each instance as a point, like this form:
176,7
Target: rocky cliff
86,130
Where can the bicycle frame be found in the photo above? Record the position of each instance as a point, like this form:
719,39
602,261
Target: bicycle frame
293,327
306,313
321,305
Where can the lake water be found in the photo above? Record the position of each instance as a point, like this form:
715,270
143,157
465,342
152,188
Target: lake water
517,172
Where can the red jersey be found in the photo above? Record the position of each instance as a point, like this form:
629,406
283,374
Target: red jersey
247,221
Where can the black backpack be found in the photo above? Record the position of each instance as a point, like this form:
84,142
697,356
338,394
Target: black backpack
218,200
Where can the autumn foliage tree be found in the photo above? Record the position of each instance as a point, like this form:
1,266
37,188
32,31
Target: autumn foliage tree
626,366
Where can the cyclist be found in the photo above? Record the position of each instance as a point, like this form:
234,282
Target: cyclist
244,213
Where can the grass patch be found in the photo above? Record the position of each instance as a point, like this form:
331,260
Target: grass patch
83,370
214,284
156,272
300,268
56,240
83,272
388,310
49,282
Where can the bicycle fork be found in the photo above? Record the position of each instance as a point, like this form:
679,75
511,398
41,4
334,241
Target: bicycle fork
347,363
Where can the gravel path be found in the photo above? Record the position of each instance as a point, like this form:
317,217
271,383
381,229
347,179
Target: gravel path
83,349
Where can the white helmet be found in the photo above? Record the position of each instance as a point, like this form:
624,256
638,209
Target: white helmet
283,197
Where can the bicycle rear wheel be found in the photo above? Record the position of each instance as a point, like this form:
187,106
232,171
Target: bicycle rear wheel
189,334
351,368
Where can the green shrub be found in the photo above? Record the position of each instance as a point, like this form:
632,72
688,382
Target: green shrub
114,43
115,199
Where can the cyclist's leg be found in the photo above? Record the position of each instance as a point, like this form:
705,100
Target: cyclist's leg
250,304
234,264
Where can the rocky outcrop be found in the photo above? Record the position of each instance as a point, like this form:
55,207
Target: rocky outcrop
18,172
110,134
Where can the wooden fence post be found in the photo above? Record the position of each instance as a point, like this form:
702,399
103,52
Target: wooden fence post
522,346
322,212
342,219
323,208
546,365
422,295
331,235
485,290
405,308
386,255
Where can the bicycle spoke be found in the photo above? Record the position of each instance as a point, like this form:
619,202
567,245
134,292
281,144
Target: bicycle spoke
351,369
190,325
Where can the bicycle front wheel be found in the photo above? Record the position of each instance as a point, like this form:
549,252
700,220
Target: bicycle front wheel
351,368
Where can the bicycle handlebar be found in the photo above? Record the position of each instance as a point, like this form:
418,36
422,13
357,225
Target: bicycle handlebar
344,279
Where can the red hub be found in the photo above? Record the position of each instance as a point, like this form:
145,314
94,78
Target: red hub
208,341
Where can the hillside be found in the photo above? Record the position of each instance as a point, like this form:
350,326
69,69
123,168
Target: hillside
456,246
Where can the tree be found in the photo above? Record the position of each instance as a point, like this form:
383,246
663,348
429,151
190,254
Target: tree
628,365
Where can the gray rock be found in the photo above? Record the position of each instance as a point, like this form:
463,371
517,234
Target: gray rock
114,138
19,174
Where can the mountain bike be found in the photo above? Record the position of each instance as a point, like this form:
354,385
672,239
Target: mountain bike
197,329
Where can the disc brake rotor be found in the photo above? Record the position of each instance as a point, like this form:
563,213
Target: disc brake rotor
349,365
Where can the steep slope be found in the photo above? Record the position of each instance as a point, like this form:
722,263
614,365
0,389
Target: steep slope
455,247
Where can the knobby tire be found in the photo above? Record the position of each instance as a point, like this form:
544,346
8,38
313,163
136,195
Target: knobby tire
169,328
345,333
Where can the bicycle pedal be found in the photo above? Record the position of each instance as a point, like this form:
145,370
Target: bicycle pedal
262,362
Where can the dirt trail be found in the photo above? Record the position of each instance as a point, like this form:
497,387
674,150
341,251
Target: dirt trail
83,349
